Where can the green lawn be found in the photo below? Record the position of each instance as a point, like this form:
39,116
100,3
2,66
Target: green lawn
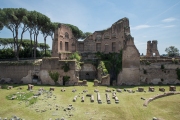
130,106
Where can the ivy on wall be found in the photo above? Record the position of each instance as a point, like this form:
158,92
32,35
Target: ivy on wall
112,62
66,78
103,68
65,67
54,75
178,73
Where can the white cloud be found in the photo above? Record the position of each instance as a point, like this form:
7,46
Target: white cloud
169,26
140,27
169,19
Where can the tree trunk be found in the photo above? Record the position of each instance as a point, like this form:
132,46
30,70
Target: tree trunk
17,48
45,44
31,43
34,46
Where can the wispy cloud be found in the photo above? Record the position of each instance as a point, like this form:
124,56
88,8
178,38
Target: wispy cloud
169,19
141,27
164,11
169,26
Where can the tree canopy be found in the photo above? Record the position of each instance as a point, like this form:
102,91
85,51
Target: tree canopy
76,31
172,51
20,20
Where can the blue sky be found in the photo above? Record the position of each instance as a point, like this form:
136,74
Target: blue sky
149,19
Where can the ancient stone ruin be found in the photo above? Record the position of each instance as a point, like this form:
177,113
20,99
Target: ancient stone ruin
112,40
152,49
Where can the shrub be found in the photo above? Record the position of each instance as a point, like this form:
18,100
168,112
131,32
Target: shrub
162,67
54,75
145,72
65,67
66,78
178,73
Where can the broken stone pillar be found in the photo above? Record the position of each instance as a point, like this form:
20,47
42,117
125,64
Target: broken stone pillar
30,87
172,88
162,89
140,89
51,89
151,89
95,82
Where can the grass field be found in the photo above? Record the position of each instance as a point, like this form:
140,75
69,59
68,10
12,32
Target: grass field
130,105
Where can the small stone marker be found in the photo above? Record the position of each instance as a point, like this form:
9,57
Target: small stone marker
82,99
108,99
13,97
118,90
51,89
96,90
116,99
140,89
63,90
88,95
30,87
151,89
92,98
129,90
172,88
74,90
75,98
161,89
10,87
99,98
107,90
85,91
113,95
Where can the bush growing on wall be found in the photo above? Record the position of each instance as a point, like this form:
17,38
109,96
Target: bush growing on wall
54,76
66,78
65,67
162,67
178,73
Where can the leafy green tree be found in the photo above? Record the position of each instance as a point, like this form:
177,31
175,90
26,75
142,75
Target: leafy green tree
13,19
36,22
1,25
172,51
76,31
6,43
86,34
76,56
46,31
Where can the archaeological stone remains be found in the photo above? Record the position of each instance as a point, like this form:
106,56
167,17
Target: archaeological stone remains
114,39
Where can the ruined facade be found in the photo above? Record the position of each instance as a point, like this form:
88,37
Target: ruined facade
109,40
113,39
152,49
64,42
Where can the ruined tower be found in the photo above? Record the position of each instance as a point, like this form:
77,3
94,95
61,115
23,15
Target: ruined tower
152,49
64,42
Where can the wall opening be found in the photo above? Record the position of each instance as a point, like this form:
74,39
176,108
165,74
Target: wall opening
35,79
66,46
60,45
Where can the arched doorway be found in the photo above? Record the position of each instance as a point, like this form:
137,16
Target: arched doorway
35,79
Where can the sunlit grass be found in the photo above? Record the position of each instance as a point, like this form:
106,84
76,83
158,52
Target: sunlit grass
130,105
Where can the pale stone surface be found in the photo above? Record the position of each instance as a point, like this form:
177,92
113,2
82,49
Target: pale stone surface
28,78
45,78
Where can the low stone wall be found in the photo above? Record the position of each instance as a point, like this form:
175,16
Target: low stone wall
15,72
153,74
82,83
159,96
